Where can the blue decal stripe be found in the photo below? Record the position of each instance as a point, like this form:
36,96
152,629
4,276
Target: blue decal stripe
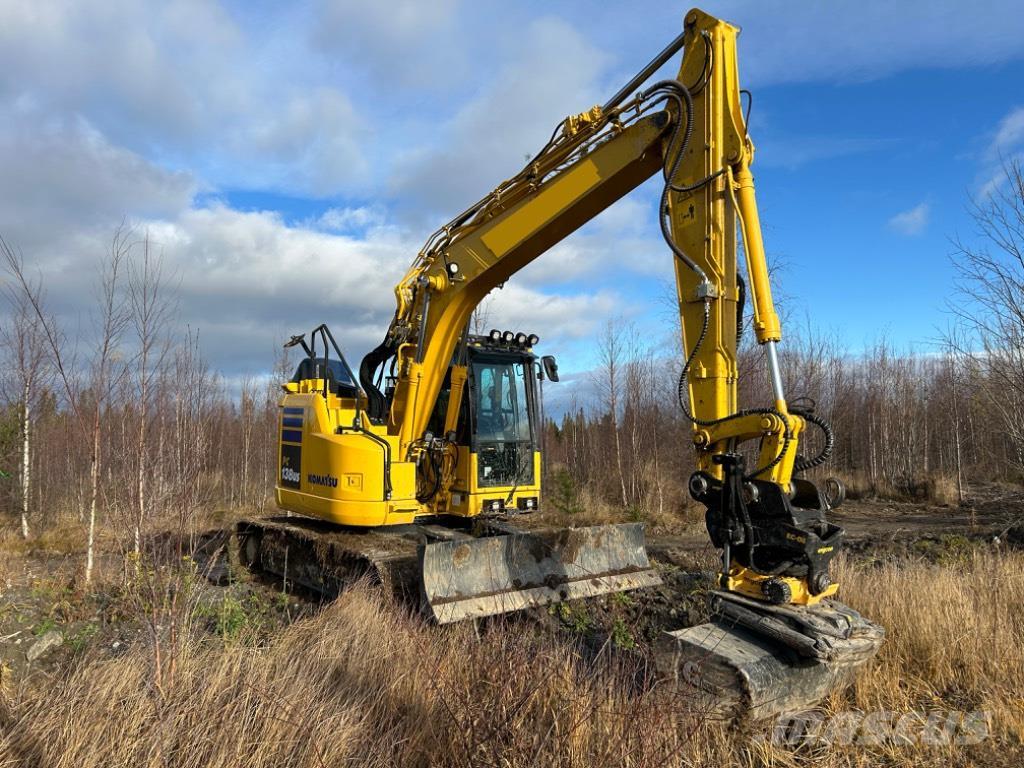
292,422
291,436
294,411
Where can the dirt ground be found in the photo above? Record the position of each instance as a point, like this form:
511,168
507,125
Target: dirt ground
42,594
992,515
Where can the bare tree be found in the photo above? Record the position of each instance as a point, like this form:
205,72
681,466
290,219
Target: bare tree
247,417
610,352
990,305
151,310
107,368
110,323
957,437
25,342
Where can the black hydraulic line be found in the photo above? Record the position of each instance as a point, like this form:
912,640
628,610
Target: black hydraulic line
741,302
708,65
421,338
356,427
376,403
436,469
671,89
683,396
656,63
802,465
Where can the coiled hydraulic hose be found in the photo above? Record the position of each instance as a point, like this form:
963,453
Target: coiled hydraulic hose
802,465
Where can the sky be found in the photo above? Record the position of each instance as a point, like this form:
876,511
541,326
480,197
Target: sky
288,160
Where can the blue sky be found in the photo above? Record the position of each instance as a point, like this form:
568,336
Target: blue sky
289,159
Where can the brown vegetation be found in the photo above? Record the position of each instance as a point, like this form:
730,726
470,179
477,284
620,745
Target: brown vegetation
364,684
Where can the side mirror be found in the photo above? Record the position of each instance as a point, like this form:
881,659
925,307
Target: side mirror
550,367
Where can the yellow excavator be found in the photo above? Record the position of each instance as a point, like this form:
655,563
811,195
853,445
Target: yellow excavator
423,470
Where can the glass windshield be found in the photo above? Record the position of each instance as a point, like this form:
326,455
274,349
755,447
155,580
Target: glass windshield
502,410
504,442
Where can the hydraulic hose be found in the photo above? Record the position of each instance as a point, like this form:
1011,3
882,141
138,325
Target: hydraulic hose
376,405
683,397
741,302
802,465
672,90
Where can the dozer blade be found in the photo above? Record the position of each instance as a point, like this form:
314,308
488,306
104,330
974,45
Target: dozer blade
757,661
471,578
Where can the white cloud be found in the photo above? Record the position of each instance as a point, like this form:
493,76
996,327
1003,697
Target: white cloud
247,278
60,176
1005,145
1009,133
408,43
313,144
153,68
183,82
911,222
554,71
785,41
101,104
243,280
346,220
553,317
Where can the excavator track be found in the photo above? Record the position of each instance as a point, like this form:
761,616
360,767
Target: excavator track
449,572
326,559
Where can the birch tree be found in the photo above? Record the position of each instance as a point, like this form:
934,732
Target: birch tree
151,311
25,344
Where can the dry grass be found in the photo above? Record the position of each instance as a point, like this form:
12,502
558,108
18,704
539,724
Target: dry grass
666,508
65,536
363,684
955,636
933,488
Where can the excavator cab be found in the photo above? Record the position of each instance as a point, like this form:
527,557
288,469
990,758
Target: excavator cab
503,420
498,435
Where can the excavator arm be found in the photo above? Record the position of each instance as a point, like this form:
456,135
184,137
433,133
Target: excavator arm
444,290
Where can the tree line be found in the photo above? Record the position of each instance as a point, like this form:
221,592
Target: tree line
130,425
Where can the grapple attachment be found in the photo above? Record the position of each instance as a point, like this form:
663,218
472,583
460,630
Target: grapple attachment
757,661
474,577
